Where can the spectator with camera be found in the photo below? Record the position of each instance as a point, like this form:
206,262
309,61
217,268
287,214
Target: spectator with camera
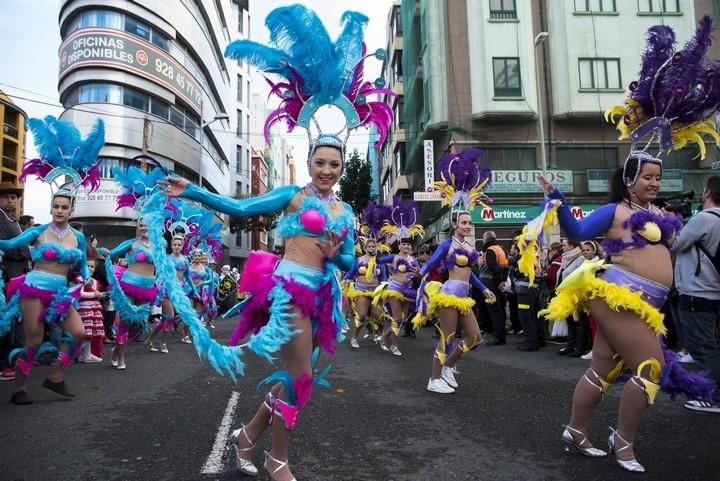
697,279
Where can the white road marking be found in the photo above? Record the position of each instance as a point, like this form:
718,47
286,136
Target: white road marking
213,463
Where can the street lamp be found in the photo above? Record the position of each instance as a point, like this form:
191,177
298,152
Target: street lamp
220,116
539,39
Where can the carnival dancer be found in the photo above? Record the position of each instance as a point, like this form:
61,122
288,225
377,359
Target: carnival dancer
296,301
366,274
91,313
462,182
201,279
670,102
58,250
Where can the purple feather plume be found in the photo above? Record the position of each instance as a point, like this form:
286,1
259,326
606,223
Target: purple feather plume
676,380
463,169
404,212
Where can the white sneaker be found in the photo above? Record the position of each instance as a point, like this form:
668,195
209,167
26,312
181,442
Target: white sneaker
685,358
697,405
367,334
113,359
395,351
448,376
93,358
440,386
121,367
163,348
587,357
354,343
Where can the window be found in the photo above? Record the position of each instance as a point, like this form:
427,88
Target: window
247,94
239,239
177,118
99,18
399,113
506,74
658,6
100,93
240,20
159,108
595,6
238,160
503,9
397,22
599,73
107,164
238,189
239,92
397,67
510,158
586,157
137,28
238,129
247,128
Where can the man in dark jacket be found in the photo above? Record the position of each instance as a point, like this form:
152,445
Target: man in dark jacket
493,272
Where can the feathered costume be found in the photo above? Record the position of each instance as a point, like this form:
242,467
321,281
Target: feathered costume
62,153
463,179
315,72
670,104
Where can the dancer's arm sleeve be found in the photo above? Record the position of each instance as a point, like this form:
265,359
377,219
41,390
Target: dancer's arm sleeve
385,259
82,245
274,201
25,238
439,254
349,275
383,273
122,248
594,225
345,257
477,283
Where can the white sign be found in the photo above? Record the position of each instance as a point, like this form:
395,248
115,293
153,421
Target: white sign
100,203
716,165
517,181
429,165
427,196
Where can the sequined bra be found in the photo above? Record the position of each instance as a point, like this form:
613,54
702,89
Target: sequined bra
313,219
54,252
139,254
461,257
198,275
180,262
402,265
646,228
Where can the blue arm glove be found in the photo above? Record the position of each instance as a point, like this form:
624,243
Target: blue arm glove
345,257
350,275
25,238
275,200
437,256
383,274
477,283
385,259
594,225
122,249
82,245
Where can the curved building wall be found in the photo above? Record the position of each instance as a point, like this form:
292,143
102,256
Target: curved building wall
153,71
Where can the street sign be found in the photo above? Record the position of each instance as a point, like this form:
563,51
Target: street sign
716,165
427,196
428,164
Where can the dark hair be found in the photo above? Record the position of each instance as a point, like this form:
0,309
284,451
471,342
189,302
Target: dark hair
572,242
593,245
618,188
25,219
713,187
76,226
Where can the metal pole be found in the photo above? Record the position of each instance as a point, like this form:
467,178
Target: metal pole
541,127
202,134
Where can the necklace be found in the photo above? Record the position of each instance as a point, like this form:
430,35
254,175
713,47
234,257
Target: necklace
635,205
325,198
60,233
462,243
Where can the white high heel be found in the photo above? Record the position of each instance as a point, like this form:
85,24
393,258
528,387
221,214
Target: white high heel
631,465
281,465
572,446
244,465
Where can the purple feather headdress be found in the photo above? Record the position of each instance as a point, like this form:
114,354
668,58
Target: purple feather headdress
316,72
674,98
372,221
463,179
402,220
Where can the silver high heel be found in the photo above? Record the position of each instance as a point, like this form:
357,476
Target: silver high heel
280,465
572,446
244,465
631,465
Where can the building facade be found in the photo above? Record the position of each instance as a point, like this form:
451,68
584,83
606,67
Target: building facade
259,186
154,71
485,74
12,141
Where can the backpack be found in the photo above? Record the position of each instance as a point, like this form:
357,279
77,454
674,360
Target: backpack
714,259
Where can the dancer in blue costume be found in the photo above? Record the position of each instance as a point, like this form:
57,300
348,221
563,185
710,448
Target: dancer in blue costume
462,182
59,253
296,301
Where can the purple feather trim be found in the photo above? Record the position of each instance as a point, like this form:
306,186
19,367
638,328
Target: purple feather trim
676,380
472,256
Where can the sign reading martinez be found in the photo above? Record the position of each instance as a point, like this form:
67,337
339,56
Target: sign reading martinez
103,47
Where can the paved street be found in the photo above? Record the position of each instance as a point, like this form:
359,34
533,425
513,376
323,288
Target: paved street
158,420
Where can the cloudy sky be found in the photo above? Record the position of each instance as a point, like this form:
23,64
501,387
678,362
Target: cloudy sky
30,65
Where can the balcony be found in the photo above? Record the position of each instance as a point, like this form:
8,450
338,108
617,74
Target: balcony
10,129
503,14
9,162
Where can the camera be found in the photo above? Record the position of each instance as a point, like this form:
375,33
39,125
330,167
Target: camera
680,204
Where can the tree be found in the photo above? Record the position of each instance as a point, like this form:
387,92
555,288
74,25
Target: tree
264,222
355,182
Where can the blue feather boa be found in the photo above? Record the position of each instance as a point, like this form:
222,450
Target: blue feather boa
129,313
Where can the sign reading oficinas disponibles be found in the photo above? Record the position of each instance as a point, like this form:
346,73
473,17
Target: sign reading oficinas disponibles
103,47
526,181
428,164
101,202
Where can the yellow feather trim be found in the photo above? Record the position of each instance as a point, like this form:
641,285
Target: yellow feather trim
573,296
387,294
370,268
462,305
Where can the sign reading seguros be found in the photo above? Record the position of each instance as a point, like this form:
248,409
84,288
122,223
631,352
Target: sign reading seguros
104,47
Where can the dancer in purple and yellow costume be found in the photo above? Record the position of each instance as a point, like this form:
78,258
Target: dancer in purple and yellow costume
366,274
402,269
58,251
295,302
463,181
625,297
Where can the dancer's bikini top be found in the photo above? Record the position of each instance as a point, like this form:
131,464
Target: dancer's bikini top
54,252
646,227
198,275
401,265
461,257
139,254
313,219
181,262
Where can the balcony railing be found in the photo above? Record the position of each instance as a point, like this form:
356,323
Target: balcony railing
10,130
508,92
503,14
9,163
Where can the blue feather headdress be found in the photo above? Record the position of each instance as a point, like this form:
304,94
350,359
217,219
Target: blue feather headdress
64,153
137,185
317,72
204,234
673,100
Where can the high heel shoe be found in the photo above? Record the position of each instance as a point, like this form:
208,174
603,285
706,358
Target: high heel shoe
572,446
280,465
631,465
244,465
